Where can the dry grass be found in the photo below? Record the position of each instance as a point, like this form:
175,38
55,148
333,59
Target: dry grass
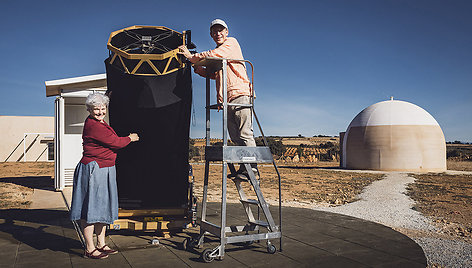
447,199
18,180
459,165
14,196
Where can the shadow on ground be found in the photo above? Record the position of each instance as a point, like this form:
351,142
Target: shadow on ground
38,229
33,182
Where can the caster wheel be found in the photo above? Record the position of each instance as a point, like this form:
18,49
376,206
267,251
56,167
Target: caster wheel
206,255
155,242
271,249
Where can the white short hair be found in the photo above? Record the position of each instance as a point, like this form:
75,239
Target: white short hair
95,100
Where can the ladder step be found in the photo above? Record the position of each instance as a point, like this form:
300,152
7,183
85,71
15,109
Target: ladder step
240,179
260,223
250,201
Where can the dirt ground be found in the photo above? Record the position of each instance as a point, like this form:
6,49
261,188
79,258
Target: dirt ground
446,198
18,179
303,183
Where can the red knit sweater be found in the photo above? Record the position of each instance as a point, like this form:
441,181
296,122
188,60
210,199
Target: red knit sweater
100,143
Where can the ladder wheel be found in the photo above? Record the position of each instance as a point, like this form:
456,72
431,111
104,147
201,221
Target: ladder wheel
206,255
271,249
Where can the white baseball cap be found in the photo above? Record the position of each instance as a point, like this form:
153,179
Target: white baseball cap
218,22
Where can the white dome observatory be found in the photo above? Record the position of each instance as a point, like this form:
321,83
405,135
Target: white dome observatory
394,136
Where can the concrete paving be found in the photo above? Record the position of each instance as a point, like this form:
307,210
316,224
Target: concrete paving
42,236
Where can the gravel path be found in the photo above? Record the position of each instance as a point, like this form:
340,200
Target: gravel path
385,202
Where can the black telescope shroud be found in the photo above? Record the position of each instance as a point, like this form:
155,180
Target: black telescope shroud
151,173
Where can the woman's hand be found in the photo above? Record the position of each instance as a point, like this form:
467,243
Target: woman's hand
133,137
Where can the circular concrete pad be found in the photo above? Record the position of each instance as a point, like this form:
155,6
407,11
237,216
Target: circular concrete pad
310,238
45,237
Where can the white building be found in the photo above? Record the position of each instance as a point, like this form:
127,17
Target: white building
394,136
26,138
69,117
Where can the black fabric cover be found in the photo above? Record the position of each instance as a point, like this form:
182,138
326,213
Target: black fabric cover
153,172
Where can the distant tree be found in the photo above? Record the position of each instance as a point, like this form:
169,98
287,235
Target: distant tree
300,151
453,153
326,145
459,153
276,146
220,143
192,150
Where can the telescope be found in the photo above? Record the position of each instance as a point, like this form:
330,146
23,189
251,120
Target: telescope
150,90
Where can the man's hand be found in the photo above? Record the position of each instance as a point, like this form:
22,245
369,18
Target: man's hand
184,51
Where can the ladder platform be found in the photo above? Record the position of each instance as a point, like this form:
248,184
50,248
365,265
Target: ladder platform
250,201
259,223
238,154
212,64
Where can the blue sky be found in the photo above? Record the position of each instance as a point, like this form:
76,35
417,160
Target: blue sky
317,63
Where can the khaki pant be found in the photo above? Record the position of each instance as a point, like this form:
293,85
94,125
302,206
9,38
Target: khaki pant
240,123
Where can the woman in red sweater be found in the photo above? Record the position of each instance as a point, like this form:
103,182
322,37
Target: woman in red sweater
95,195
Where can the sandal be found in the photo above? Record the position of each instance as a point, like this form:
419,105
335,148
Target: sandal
107,251
90,255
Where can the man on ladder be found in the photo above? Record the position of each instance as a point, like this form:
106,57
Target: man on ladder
239,88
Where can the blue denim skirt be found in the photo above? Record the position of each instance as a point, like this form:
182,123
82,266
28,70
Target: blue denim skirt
95,195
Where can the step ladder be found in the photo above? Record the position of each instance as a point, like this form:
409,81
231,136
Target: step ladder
256,228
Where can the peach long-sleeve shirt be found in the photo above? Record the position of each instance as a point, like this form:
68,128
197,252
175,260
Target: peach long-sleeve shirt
238,83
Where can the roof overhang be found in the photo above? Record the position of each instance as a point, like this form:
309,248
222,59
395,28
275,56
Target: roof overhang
57,87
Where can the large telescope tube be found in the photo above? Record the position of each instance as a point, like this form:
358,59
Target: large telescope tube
150,89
